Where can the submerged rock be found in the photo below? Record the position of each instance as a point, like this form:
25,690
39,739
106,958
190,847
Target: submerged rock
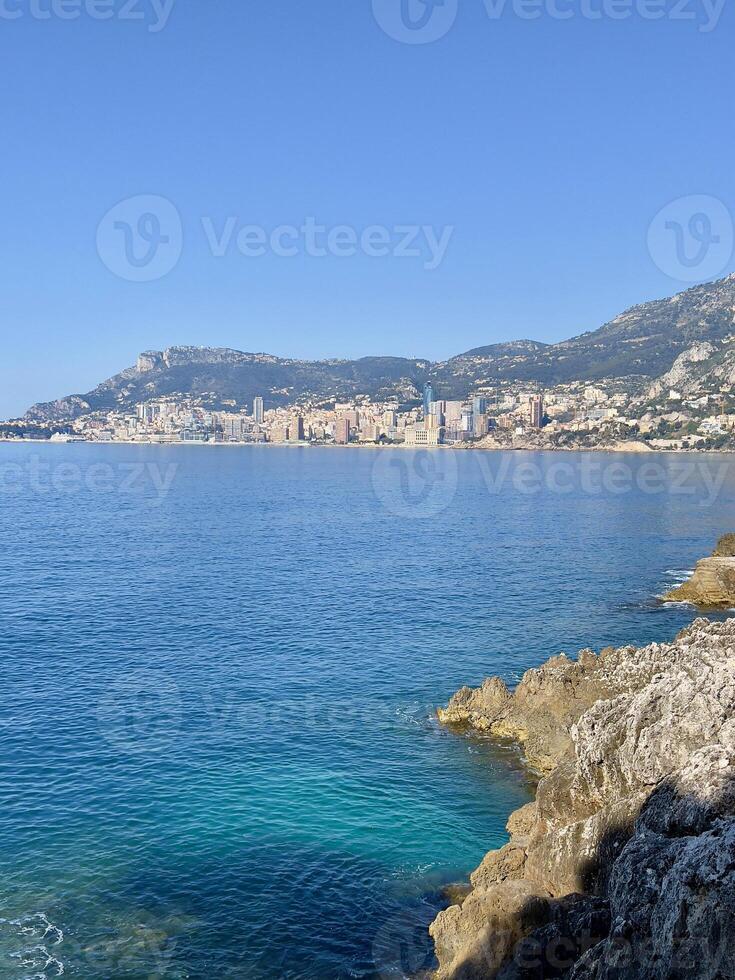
624,866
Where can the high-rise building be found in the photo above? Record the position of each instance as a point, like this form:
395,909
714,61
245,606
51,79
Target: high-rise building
147,411
536,411
258,412
233,428
428,398
369,432
296,429
453,411
437,408
342,431
479,405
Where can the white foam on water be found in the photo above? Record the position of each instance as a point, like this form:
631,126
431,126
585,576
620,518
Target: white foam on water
37,957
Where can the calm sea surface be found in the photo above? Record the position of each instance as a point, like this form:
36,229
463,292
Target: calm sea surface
219,671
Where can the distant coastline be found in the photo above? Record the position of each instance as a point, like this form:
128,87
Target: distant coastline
621,448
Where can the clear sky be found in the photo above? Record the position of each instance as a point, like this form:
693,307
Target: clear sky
545,146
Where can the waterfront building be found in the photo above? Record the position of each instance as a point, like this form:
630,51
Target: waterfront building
233,428
342,431
479,405
258,410
369,433
418,436
456,431
296,429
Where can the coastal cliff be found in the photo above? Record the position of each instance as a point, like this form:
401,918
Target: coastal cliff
713,583
624,866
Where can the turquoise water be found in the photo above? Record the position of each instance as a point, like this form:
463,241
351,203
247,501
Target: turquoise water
220,666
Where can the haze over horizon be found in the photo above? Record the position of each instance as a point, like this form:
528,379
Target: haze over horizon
627,116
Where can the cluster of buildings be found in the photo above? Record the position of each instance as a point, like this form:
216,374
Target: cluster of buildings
361,420
576,413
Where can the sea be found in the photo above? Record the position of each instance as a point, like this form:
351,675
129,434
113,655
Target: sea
220,670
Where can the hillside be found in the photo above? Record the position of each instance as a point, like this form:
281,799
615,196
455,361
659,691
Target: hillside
645,341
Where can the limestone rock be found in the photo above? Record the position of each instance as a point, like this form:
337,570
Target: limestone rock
713,583
624,866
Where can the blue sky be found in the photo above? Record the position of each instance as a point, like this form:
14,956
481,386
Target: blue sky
547,146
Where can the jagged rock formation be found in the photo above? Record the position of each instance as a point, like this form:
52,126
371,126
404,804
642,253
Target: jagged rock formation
713,583
624,866
697,326
685,369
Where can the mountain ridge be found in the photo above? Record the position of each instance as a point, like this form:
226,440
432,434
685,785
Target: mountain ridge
644,341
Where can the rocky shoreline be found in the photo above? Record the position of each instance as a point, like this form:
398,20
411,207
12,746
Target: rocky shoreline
624,866
712,586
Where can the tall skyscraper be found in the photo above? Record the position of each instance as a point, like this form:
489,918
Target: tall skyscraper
296,429
428,398
342,431
536,411
479,405
258,413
